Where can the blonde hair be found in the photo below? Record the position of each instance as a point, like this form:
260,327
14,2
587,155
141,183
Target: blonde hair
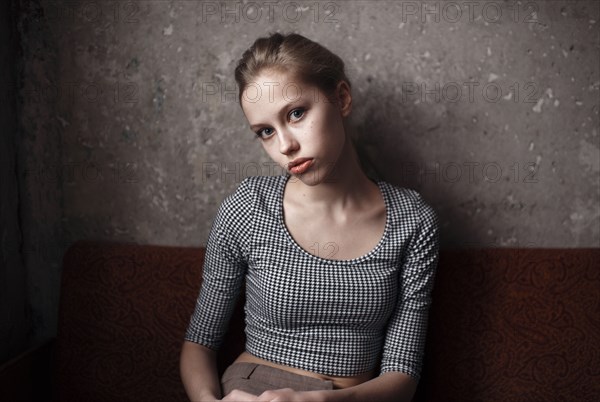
306,60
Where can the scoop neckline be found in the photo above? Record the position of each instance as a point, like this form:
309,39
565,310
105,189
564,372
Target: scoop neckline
380,183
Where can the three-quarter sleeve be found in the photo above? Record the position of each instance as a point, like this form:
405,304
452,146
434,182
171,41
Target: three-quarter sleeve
224,269
405,338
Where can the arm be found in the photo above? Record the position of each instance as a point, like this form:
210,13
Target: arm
198,370
390,386
222,277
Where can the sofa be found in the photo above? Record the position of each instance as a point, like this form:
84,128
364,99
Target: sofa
505,324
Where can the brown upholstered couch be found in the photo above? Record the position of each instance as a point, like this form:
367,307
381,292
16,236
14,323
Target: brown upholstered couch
505,324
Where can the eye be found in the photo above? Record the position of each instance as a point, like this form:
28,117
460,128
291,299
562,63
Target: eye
262,131
294,115
297,114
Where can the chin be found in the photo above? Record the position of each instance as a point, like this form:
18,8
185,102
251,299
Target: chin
313,177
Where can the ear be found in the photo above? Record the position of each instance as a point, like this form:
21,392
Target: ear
344,97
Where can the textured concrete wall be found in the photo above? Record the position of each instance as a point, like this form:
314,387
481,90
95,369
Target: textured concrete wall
133,133
15,320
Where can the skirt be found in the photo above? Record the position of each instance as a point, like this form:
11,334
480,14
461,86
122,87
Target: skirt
257,378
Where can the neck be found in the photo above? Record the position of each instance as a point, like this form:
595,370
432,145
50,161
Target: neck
347,187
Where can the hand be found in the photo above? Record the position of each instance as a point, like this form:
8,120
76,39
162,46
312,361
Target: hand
239,396
277,395
289,395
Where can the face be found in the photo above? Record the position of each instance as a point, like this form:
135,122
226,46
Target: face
293,120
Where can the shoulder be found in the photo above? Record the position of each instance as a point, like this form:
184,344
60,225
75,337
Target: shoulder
410,204
406,199
254,186
234,220
260,183
417,221
249,190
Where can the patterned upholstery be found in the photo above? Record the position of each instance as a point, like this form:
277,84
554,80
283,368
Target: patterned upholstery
519,325
515,325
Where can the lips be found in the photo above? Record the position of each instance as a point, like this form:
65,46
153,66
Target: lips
297,162
299,166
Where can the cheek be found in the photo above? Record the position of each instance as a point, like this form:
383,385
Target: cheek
325,128
321,126
333,119
334,130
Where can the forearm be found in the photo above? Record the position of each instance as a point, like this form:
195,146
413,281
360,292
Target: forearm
198,370
390,386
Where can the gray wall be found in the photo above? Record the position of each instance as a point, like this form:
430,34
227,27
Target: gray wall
131,131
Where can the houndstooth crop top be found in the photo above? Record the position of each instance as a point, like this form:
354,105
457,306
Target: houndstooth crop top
334,317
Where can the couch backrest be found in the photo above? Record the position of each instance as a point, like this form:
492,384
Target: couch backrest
123,313
505,324
514,325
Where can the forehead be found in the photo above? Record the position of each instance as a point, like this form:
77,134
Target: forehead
272,90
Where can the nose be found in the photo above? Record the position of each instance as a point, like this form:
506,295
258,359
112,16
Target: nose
287,142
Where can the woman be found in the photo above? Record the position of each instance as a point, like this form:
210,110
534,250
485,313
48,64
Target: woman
338,267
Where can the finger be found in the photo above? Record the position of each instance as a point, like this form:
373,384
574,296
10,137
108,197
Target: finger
239,396
283,394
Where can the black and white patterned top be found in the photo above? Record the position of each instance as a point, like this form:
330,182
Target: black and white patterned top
334,317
